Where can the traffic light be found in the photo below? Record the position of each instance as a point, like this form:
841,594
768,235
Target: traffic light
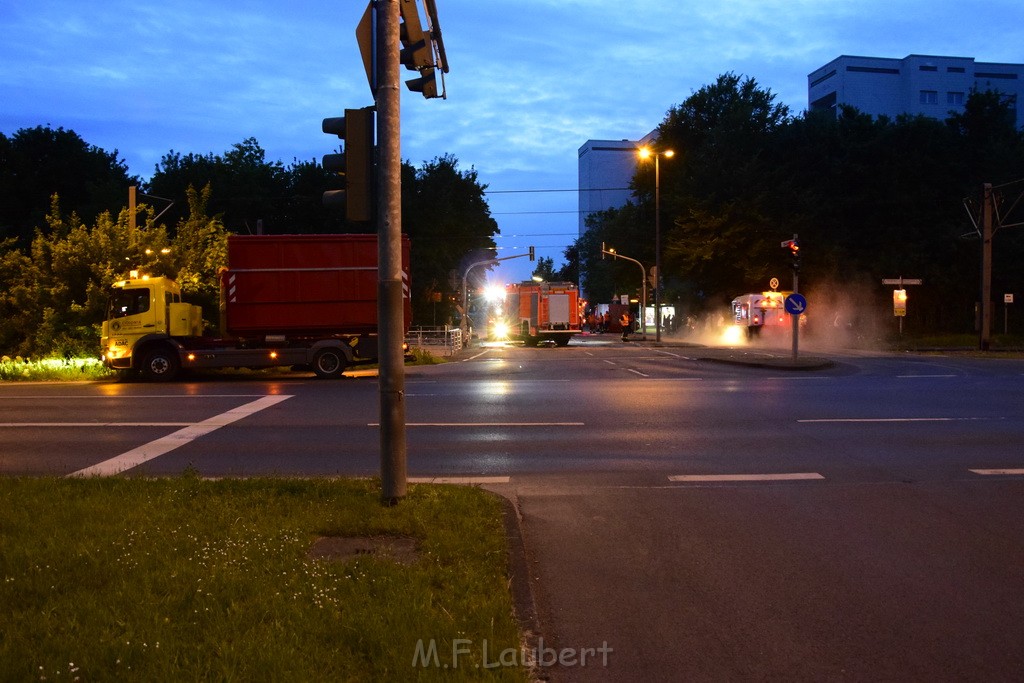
417,53
355,164
533,254
794,252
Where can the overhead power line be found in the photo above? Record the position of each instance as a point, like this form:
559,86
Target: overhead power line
575,189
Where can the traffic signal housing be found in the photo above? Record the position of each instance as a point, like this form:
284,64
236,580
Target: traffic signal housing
417,52
794,253
355,164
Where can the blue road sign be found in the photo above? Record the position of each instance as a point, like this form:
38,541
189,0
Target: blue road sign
796,304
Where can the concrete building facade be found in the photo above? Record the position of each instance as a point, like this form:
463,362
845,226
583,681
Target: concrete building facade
606,168
932,86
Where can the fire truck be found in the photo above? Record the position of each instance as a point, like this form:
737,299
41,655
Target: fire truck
536,312
759,310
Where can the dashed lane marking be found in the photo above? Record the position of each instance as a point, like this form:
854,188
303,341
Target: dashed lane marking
459,480
788,476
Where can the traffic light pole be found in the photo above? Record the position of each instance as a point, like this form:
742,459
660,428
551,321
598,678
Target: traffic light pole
796,290
390,311
464,327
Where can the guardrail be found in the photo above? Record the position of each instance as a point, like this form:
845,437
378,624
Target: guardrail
445,341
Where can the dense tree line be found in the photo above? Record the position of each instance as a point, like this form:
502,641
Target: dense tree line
871,198
65,230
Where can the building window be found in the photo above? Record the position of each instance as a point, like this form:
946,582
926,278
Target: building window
955,98
928,67
929,97
873,70
981,74
955,70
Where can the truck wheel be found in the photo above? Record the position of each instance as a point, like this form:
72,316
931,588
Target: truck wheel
160,365
329,363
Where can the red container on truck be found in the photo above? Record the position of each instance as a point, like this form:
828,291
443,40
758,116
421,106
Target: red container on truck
298,300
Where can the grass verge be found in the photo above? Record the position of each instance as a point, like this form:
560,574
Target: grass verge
190,579
89,369
52,369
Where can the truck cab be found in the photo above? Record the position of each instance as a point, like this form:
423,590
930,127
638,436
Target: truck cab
140,313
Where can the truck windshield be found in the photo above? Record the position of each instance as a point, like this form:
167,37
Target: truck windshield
126,302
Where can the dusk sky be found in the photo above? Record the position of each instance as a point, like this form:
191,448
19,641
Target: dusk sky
530,80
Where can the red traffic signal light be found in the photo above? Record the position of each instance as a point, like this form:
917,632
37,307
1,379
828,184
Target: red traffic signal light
794,252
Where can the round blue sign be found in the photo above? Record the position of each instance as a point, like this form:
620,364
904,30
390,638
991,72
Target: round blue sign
796,304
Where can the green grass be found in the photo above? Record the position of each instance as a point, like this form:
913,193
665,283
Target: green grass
1001,346
188,579
20,369
52,369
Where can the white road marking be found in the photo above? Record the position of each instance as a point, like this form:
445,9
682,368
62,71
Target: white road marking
794,476
155,449
486,424
998,471
459,480
57,425
130,397
476,356
901,419
917,376
637,372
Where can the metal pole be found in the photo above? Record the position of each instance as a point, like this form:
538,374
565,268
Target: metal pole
657,248
390,310
987,209
796,318
132,212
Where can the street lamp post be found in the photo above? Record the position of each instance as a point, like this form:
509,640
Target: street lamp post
646,152
643,287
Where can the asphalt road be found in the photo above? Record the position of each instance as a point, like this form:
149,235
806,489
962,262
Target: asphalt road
682,519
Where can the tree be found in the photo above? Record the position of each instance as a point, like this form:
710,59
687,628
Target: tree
545,269
37,163
449,223
199,251
57,292
719,232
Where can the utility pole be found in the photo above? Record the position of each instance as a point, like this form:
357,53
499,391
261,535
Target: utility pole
132,207
393,469
987,210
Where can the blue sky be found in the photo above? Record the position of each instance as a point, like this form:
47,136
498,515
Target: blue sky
530,80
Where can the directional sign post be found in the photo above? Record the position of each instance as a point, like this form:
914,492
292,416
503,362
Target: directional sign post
899,295
796,305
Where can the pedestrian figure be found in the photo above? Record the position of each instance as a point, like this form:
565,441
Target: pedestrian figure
626,323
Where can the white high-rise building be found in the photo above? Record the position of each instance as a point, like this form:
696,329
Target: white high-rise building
929,85
606,169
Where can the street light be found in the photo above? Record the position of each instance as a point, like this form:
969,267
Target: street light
643,285
646,153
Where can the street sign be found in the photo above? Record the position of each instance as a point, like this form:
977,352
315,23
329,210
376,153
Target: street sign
774,283
899,302
795,304
366,36
1007,298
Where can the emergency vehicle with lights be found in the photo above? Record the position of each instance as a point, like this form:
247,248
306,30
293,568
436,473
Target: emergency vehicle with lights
760,310
305,301
536,312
